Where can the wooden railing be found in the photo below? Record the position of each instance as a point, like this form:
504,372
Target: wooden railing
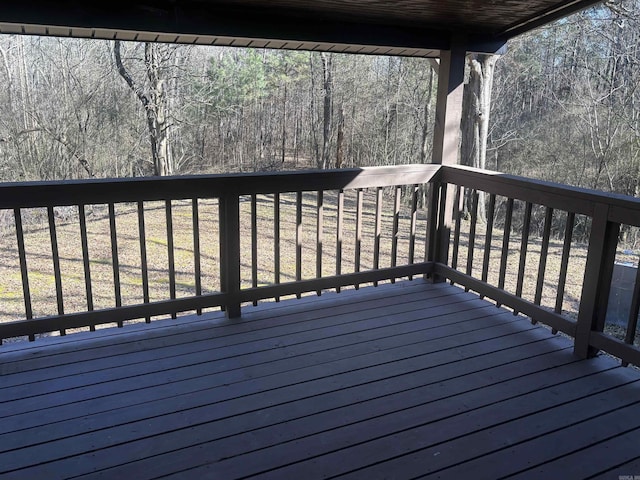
544,250
223,197
566,213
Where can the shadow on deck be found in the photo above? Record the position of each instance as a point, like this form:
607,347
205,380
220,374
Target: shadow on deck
398,381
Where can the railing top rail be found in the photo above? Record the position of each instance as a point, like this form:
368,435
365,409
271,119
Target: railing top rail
623,209
95,191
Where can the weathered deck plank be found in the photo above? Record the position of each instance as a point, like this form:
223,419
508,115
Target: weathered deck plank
404,380
208,335
87,340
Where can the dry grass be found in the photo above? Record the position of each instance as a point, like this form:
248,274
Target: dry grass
42,281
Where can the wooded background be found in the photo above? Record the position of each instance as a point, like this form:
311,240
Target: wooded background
564,107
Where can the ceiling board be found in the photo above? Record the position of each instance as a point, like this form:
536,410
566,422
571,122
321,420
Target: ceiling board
411,27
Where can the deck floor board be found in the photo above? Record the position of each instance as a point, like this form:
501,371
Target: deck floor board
214,330
223,372
408,380
333,335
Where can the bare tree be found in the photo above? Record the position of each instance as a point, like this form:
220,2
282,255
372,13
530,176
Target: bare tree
327,94
425,144
154,100
476,107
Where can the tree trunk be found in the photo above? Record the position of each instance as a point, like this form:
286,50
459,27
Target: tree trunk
340,139
284,123
425,144
313,114
476,107
154,102
327,94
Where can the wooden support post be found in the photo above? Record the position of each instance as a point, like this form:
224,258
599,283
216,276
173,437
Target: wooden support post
229,208
446,133
597,280
446,140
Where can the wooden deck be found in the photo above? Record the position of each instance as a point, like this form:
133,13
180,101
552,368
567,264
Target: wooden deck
399,381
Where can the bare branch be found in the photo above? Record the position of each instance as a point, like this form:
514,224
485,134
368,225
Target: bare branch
124,73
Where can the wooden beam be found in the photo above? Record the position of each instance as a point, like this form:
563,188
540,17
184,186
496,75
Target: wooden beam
446,141
563,9
229,213
325,283
518,304
109,315
561,197
171,21
435,64
446,133
71,192
597,280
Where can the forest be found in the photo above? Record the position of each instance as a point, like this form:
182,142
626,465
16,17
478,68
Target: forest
564,107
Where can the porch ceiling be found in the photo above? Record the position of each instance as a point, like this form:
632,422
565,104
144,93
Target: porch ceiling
396,27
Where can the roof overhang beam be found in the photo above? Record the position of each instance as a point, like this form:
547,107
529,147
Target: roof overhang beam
548,16
210,24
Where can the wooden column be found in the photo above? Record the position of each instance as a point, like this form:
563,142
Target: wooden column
446,133
229,212
446,145
597,280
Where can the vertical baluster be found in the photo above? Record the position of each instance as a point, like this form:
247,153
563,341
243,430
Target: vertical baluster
429,237
254,243
319,235
276,240
85,259
298,238
339,225
144,269
396,225
170,254
456,229
632,324
114,257
506,237
524,244
472,233
564,263
412,228
197,268
544,251
358,232
22,255
55,256
488,237
376,240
